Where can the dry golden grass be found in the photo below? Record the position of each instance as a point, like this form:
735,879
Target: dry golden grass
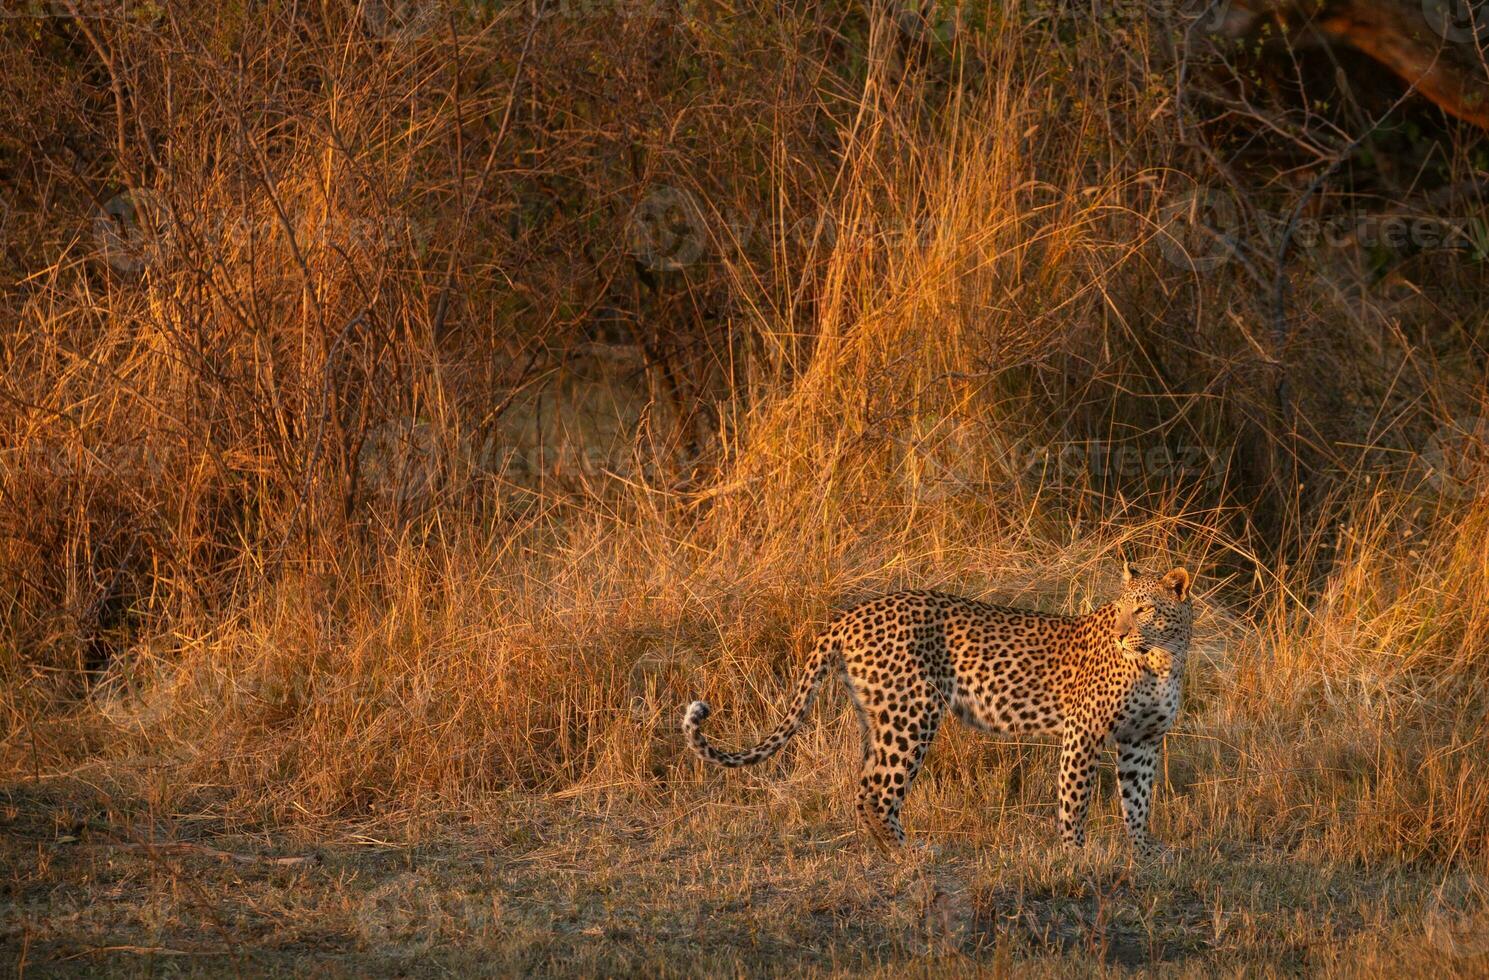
379,486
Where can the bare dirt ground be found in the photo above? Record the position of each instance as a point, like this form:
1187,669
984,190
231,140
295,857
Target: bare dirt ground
606,883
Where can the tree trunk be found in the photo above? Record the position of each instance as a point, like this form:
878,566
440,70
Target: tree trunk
1436,45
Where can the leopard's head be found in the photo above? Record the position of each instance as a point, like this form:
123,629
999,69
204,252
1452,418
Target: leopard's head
1154,613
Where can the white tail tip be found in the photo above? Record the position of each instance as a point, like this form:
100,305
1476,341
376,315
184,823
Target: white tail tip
697,711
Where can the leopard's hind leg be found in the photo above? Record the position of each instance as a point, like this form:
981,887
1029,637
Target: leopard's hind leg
896,739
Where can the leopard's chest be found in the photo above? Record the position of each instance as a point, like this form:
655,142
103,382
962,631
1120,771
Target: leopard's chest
1149,709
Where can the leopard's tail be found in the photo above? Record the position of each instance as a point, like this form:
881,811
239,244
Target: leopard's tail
823,656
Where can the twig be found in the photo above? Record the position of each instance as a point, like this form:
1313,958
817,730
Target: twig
442,305
221,855
145,951
1281,335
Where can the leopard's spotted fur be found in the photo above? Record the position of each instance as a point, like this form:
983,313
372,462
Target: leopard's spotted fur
912,657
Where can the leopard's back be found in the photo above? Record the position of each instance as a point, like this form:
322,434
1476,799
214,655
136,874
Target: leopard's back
998,668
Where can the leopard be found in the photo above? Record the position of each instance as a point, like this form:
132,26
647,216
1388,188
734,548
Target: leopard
912,658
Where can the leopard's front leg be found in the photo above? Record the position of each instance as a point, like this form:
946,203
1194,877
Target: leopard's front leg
1137,764
1077,780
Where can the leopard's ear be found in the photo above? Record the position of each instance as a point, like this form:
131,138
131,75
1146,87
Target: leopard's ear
1129,572
1178,580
